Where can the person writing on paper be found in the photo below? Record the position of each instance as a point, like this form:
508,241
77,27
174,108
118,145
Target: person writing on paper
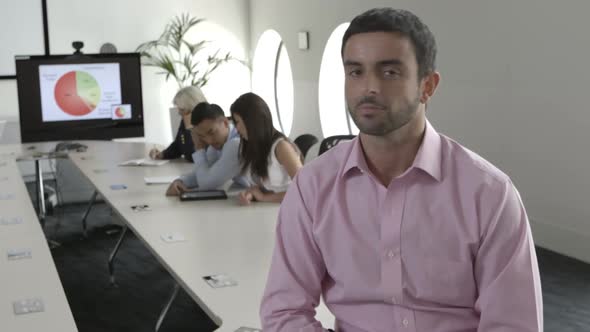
184,102
268,159
401,228
216,158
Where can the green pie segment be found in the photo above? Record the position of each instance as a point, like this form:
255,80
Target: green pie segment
88,89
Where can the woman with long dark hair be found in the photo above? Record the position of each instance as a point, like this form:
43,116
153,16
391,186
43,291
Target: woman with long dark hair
267,157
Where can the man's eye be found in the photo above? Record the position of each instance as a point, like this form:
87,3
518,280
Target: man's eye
354,73
391,73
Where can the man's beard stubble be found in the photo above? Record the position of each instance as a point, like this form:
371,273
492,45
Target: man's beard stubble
392,120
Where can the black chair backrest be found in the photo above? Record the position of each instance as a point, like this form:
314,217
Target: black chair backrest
332,141
304,142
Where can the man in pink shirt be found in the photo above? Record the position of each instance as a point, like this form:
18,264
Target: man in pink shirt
402,228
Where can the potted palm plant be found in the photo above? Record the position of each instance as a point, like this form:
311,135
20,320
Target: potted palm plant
180,58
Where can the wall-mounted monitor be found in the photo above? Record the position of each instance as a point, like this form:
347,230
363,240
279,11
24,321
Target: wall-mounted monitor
80,96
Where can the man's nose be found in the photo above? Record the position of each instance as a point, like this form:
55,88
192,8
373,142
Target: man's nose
372,84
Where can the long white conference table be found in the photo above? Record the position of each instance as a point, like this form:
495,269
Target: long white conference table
31,295
217,237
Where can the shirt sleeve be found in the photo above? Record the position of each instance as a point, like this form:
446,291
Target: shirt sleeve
214,174
293,286
190,179
506,269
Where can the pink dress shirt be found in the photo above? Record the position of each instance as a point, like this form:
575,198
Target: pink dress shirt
445,247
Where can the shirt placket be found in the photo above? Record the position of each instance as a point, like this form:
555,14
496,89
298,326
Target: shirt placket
391,256
391,276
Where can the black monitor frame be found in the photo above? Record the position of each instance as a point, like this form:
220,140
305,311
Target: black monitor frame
32,127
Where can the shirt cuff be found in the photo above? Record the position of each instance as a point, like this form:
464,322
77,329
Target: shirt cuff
189,180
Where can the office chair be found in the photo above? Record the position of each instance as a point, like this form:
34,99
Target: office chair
304,142
332,141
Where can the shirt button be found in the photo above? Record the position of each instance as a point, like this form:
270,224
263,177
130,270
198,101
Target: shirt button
392,254
405,322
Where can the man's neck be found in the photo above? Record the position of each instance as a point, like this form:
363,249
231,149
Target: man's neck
391,155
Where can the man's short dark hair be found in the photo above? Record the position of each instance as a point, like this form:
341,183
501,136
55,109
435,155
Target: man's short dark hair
403,22
205,111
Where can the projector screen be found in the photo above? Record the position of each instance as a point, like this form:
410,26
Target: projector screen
79,92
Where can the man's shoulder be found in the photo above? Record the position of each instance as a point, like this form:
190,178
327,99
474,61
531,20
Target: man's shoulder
317,178
232,143
327,166
468,164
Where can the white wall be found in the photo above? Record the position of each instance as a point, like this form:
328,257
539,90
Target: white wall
514,86
25,32
129,23
9,106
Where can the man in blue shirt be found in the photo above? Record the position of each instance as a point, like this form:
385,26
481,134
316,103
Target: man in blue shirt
216,156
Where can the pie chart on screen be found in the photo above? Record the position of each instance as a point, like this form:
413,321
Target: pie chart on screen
120,112
77,93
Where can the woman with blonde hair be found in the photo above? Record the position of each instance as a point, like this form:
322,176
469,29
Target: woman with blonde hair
185,100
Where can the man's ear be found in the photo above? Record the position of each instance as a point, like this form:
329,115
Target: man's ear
429,85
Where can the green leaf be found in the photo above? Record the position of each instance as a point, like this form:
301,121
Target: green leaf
178,56
195,48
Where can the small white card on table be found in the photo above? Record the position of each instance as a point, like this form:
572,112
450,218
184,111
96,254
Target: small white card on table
220,281
173,237
16,254
28,306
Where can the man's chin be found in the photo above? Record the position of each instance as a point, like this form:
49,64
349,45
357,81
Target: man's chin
373,129
377,133
368,126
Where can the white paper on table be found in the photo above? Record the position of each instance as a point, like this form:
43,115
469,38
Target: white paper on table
160,179
144,162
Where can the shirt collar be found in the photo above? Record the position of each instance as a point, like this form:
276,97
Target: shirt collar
428,158
233,132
